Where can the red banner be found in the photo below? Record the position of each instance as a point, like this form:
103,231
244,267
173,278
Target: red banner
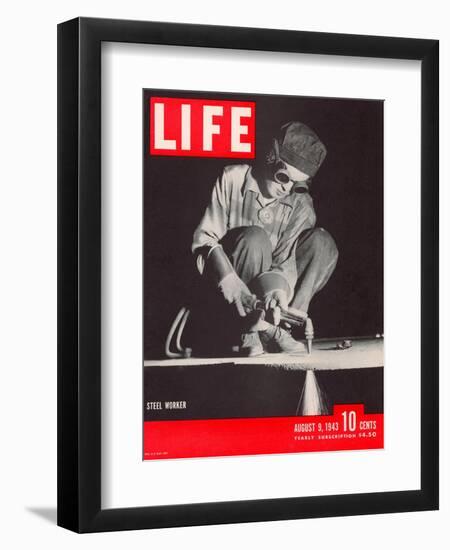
202,128
347,429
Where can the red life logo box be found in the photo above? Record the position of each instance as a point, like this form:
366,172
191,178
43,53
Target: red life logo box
202,128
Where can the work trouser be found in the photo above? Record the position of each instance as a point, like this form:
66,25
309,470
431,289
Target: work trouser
250,252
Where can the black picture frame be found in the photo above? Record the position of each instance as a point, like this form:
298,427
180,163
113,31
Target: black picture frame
79,274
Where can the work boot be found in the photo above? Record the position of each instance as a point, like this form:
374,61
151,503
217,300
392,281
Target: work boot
275,339
250,345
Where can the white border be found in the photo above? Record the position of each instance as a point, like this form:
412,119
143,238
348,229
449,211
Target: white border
127,481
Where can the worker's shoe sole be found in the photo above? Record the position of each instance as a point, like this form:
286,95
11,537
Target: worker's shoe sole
277,340
250,345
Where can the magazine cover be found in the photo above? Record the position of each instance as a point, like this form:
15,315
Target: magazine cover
262,274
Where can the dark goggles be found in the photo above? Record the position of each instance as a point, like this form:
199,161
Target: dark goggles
280,174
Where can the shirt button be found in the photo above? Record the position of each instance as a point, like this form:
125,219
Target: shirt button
265,215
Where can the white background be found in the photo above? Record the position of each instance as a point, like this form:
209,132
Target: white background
28,272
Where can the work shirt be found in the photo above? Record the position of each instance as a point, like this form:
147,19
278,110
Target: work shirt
237,202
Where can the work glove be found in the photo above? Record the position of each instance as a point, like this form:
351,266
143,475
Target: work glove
236,292
273,289
274,302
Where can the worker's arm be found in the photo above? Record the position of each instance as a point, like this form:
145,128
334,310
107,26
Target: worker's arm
209,252
213,224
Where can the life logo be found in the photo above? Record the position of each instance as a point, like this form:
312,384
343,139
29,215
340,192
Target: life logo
202,128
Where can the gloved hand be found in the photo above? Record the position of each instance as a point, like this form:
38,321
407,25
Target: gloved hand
236,292
275,301
274,289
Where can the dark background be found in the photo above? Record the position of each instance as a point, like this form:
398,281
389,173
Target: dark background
348,199
254,391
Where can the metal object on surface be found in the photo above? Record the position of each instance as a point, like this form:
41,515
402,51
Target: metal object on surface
177,328
345,344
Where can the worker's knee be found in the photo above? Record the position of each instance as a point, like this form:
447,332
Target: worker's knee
255,237
321,242
324,241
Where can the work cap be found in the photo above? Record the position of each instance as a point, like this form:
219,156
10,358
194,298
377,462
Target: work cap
301,147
